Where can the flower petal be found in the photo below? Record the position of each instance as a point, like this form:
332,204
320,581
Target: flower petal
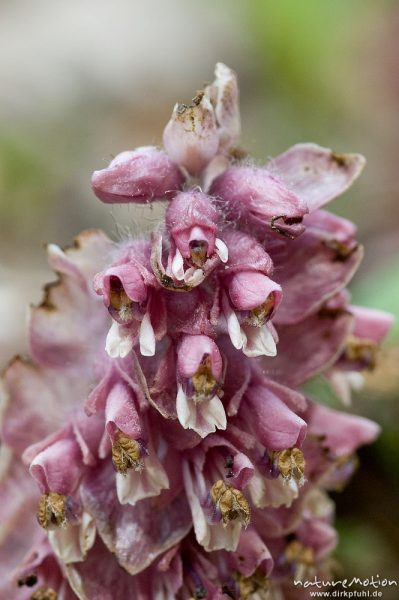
317,174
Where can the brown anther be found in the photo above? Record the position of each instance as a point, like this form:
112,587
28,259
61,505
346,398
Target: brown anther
44,593
231,503
295,552
363,351
198,250
52,510
342,250
119,300
291,464
203,380
126,454
256,583
259,315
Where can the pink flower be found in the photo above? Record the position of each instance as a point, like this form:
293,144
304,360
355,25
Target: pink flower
157,431
140,175
192,222
199,376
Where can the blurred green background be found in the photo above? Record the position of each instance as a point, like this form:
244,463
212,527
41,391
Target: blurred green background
81,81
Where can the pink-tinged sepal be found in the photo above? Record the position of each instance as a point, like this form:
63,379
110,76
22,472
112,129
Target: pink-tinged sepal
317,174
199,377
191,138
138,176
260,201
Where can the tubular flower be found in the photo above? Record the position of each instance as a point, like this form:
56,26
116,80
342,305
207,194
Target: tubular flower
155,445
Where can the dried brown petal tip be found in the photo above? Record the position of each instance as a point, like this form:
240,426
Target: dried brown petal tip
52,510
231,503
126,454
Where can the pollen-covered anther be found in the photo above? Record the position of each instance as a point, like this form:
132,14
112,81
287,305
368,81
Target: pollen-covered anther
301,556
291,464
198,252
52,510
126,454
259,315
254,584
44,593
362,351
203,381
231,503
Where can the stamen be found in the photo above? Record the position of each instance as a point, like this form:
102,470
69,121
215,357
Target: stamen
44,593
259,315
361,351
301,556
198,251
126,454
256,583
203,380
231,503
291,464
52,510
119,300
